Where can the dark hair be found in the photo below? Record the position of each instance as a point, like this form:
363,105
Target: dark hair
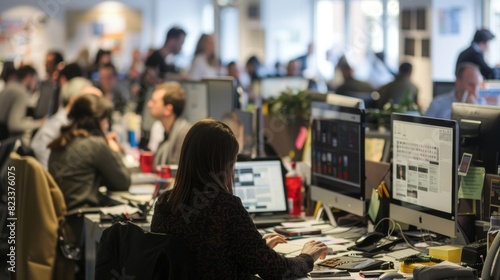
8,71
175,33
462,67
173,94
206,163
24,71
71,71
101,53
58,57
405,68
483,35
85,116
110,66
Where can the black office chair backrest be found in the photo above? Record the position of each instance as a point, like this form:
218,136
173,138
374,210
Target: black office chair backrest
126,250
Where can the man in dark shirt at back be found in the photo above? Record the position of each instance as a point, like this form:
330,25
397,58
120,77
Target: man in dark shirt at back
475,52
156,65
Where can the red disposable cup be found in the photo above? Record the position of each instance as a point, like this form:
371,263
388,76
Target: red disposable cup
146,162
163,172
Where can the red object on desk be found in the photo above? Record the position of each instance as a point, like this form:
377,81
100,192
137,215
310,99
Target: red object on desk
293,184
163,172
146,162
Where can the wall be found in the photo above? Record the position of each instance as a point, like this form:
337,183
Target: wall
289,28
157,17
445,46
421,66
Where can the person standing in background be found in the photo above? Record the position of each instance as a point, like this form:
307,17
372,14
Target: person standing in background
157,66
204,62
475,52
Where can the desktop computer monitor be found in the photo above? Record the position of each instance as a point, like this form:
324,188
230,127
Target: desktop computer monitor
479,133
424,173
221,93
338,157
247,120
196,108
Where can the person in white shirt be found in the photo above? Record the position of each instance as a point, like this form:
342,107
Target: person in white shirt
204,62
52,127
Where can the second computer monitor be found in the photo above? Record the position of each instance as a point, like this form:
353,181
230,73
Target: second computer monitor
479,133
337,157
424,173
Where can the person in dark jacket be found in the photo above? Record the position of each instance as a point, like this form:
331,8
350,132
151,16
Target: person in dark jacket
213,224
475,52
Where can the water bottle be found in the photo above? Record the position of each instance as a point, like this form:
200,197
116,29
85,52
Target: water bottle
294,191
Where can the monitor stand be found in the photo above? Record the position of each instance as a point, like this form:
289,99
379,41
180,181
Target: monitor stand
328,210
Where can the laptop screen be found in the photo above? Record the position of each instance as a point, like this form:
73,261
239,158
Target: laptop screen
259,184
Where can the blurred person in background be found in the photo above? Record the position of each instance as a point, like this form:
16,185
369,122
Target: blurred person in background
204,63
14,121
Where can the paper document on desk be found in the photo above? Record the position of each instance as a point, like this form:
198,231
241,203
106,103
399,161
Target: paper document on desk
119,209
142,189
328,240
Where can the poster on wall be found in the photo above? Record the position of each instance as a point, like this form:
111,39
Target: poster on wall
23,35
449,20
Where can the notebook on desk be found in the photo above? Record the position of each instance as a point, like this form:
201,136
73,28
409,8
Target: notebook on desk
260,185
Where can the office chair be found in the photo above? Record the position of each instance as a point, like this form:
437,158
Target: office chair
491,267
126,250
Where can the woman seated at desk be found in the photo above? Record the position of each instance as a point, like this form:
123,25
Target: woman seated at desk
215,227
82,159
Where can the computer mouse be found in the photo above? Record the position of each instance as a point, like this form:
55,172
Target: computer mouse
390,276
369,238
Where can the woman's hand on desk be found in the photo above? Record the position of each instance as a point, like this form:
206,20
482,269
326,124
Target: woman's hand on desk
315,249
273,239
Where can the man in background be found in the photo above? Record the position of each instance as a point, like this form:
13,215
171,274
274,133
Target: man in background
400,89
166,105
54,62
14,121
467,84
475,52
157,66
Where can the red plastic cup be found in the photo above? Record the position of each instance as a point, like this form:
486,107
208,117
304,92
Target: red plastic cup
163,172
146,162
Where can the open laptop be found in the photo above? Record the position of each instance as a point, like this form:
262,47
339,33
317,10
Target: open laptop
259,183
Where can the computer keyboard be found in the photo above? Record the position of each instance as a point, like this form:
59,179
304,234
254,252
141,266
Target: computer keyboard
403,254
286,248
